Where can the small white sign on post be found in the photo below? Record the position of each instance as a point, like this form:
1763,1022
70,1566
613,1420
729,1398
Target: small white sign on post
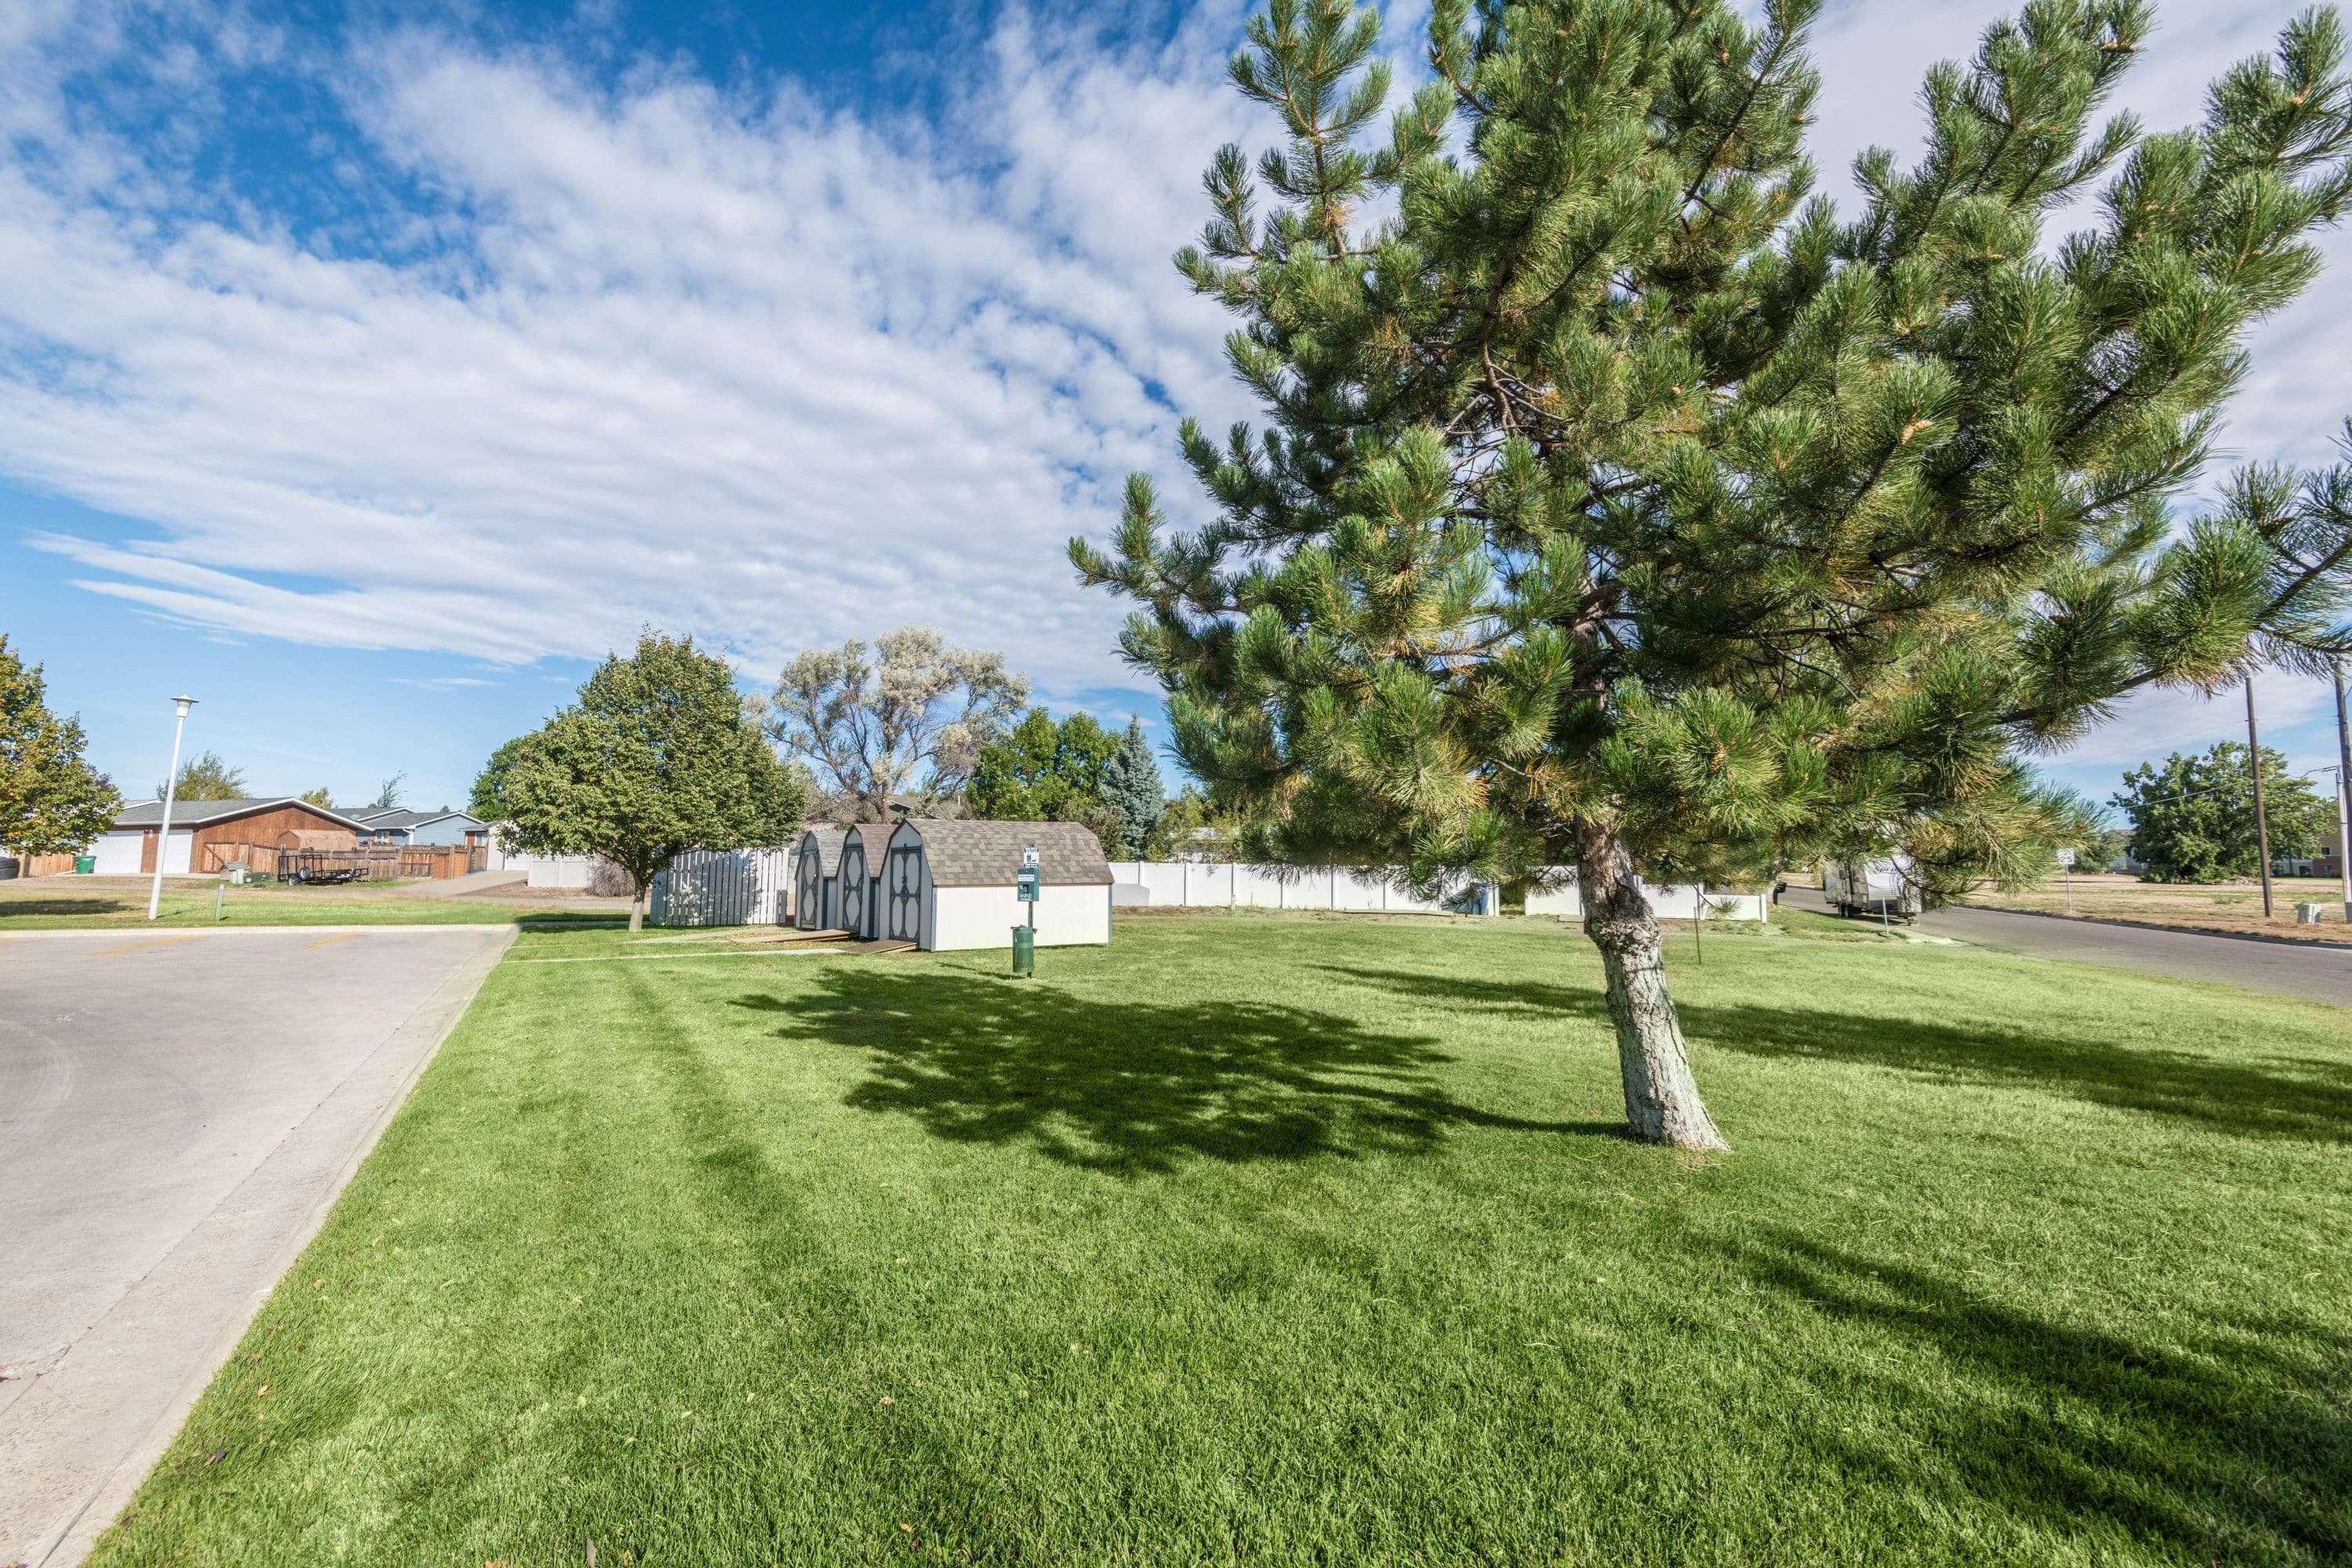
2067,858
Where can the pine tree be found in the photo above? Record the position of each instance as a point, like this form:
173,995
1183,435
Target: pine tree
1620,505
1131,788
52,802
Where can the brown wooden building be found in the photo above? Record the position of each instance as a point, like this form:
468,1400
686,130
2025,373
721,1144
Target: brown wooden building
208,835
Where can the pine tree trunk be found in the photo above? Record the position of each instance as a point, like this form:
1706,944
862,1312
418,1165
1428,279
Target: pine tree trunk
1662,1102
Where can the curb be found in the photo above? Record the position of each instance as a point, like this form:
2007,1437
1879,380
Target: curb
122,933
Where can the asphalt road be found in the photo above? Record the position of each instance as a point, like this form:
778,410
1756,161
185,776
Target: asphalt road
177,1111
2284,969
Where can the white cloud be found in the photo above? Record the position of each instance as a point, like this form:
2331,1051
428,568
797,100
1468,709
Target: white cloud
778,375
572,356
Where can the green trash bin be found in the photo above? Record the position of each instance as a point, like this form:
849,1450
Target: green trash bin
1025,951
85,864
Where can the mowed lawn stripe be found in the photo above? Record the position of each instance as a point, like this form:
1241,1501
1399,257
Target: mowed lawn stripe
1269,1239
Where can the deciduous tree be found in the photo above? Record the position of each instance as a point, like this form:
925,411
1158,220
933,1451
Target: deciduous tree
206,776
487,798
658,755
910,719
52,802
2192,819
1619,504
1042,771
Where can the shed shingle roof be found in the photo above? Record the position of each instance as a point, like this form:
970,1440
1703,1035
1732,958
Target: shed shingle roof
197,813
965,853
829,841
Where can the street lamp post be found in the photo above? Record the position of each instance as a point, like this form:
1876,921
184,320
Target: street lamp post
2343,789
171,791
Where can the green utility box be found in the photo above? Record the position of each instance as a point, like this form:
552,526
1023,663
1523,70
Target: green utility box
1025,951
85,864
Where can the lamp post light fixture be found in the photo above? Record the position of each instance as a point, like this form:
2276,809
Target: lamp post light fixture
171,791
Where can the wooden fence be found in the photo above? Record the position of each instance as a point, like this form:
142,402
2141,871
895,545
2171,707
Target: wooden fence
367,863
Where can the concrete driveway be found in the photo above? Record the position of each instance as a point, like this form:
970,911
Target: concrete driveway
177,1111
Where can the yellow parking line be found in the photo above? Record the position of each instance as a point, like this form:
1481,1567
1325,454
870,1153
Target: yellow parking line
139,946
329,941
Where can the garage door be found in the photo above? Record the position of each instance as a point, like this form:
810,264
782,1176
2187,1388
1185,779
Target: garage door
118,854
177,851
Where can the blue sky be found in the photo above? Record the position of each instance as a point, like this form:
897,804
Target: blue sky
368,369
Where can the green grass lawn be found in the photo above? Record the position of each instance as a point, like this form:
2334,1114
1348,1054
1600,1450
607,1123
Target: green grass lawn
1257,1239
52,905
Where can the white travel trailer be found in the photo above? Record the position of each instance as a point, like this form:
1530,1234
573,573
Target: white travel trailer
1883,889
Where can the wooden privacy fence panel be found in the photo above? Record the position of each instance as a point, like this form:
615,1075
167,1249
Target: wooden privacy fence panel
725,888
368,863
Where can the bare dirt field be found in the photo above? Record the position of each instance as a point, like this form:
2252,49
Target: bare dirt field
2224,907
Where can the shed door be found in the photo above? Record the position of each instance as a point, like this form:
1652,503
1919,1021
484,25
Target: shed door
852,888
812,892
905,881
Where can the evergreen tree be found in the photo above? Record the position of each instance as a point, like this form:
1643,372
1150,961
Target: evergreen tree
1133,790
2192,820
1620,505
1041,771
322,797
52,802
659,754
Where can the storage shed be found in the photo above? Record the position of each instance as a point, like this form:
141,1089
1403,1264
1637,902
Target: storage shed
817,884
863,846
947,885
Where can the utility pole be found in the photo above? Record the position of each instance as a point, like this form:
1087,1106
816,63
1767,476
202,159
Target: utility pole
2262,823
2343,789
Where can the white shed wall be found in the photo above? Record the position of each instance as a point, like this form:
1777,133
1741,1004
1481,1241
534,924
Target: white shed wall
963,918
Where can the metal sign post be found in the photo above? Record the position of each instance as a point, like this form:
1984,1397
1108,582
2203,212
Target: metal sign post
1024,937
2067,864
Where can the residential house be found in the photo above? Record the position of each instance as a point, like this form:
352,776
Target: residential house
209,835
400,825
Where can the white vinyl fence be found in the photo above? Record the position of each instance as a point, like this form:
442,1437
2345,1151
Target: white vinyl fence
1674,901
725,888
1203,884
573,871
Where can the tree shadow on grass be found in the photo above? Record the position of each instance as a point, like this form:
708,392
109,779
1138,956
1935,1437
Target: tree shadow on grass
62,906
2232,1448
2307,1097
1129,1087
